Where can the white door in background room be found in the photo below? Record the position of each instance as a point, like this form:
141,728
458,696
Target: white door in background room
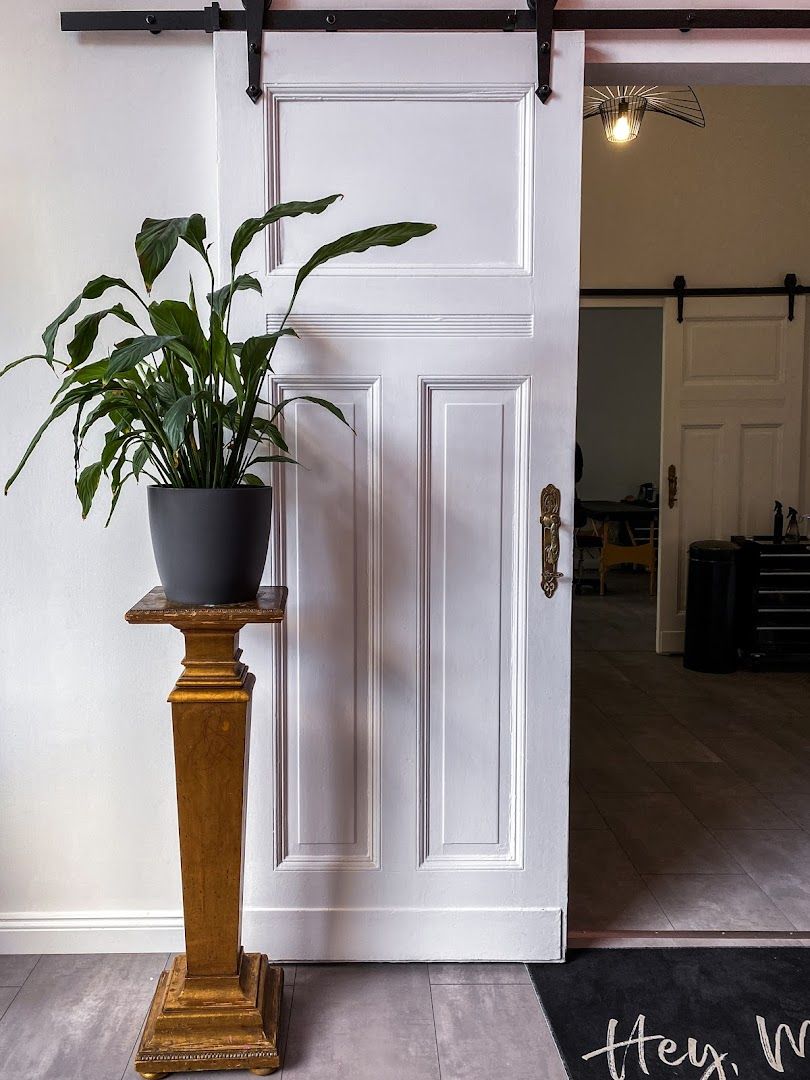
411,728
731,428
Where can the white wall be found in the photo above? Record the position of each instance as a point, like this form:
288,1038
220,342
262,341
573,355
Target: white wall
96,134
619,400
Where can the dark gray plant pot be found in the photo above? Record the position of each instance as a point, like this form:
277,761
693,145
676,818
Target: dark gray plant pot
210,544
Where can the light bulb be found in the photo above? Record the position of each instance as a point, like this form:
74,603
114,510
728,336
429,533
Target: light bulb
621,130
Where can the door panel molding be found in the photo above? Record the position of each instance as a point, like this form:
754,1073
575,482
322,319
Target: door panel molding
312,764
471,802
519,96
404,324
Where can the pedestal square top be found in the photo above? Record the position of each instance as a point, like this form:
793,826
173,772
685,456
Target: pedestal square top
268,607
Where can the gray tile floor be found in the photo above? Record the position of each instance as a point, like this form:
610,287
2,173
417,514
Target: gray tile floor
80,1017
690,792
690,812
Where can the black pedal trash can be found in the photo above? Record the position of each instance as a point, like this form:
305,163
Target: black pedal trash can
710,644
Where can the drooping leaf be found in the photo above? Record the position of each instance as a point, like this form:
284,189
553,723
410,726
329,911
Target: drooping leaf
87,486
128,355
49,335
98,286
253,226
220,300
155,244
324,404
264,429
77,444
378,236
113,442
109,404
253,355
86,332
116,495
73,397
139,460
117,483
282,459
22,360
194,234
92,291
174,422
251,480
86,374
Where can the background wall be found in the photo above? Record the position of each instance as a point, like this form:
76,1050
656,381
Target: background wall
98,133
619,400
726,205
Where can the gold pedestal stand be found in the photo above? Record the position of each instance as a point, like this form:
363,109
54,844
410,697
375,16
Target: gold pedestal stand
216,1007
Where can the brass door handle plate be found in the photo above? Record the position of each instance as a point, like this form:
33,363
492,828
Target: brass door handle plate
672,486
550,521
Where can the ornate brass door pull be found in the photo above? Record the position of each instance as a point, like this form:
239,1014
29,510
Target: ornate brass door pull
672,483
550,520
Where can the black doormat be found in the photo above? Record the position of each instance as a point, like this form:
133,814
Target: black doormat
705,1014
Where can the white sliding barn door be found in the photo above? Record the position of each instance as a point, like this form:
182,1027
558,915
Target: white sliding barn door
416,773
731,418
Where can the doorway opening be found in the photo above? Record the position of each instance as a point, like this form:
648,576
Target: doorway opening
690,797
618,466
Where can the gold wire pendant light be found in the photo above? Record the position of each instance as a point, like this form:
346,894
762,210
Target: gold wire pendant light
622,108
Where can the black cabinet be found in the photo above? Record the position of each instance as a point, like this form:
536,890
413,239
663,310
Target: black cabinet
773,602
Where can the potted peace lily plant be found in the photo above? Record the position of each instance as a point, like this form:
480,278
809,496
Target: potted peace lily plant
182,404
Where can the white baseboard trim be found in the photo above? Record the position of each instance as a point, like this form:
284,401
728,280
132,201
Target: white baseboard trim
308,934
90,931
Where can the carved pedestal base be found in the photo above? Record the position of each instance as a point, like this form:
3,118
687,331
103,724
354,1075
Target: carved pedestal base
214,1022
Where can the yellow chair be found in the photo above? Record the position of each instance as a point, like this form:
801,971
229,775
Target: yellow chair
633,553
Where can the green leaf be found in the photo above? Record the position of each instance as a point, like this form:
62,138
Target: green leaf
92,291
127,356
221,300
194,234
113,442
282,459
139,460
155,244
192,299
49,336
164,392
262,428
117,483
324,404
68,401
174,422
105,407
87,486
378,236
256,351
82,375
86,332
253,226
22,360
173,317
98,286
251,480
